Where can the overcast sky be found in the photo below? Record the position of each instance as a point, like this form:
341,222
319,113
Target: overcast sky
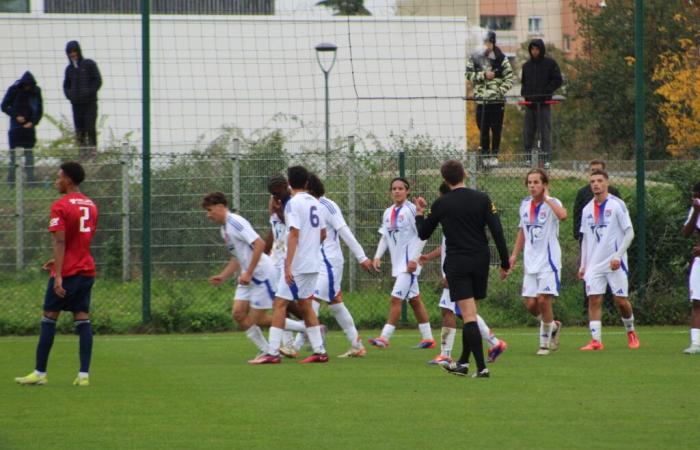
380,8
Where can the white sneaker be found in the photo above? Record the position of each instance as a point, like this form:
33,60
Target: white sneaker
692,350
543,352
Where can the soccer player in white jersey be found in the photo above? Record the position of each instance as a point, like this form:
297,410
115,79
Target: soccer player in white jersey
607,233
255,290
400,236
331,267
450,311
305,232
538,235
692,226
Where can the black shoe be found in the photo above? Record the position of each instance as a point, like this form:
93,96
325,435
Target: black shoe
455,368
484,373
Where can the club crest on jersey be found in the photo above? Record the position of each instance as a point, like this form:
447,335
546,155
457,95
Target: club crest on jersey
543,215
54,222
608,212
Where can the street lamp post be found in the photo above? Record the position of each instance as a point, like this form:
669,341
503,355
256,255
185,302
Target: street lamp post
331,49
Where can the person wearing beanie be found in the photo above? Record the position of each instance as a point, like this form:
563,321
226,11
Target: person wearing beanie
23,103
492,76
80,85
540,78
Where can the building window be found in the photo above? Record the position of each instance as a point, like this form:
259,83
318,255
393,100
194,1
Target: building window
497,22
160,6
566,44
534,25
14,6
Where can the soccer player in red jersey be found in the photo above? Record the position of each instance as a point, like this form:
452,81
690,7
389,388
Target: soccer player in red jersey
72,225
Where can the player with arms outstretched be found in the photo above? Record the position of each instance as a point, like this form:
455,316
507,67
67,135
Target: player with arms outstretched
538,235
72,225
607,234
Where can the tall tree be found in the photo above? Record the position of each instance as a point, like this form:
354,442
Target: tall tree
605,72
346,7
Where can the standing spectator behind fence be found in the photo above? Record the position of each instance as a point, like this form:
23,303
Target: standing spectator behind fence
23,103
492,76
541,77
80,86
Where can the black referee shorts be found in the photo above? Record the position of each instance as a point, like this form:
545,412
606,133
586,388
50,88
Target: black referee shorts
467,276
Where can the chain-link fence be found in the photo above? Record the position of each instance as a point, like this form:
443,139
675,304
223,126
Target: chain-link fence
186,248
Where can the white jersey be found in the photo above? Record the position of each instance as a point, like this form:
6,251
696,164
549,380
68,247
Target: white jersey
541,230
399,230
333,217
279,240
603,227
239,236
303,212
690,215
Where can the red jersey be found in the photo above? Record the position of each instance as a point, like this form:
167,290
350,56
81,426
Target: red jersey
76,215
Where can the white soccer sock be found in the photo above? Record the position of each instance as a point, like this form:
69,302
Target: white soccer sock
629,323
546,333
83,375
596,327
275,340
447,341
486,332
543,336
387,331
299,341
294,325
695,336
316,339
256,335
425,332
39,373
344,319
287,338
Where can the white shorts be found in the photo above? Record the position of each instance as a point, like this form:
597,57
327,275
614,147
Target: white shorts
597,282
447,303
328,284
405,286
259,293
303,287
546,283
694,282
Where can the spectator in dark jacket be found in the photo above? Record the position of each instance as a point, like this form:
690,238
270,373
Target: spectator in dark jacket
23,103
80,86
540,78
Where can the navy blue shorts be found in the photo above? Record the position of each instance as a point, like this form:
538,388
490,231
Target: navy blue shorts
77,297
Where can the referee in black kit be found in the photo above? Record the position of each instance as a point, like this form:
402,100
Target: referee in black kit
464,214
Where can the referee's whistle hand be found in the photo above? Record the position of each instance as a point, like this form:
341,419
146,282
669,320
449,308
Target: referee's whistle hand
504,273
420,203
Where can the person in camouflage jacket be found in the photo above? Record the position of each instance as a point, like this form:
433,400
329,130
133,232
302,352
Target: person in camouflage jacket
492,77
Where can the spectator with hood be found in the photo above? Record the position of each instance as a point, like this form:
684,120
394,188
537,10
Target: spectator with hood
23,103
492,76
540,78
80,86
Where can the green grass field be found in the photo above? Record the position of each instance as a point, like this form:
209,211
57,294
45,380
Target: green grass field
196,391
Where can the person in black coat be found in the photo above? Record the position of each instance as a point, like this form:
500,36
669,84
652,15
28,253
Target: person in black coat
80,86
23,103
540,78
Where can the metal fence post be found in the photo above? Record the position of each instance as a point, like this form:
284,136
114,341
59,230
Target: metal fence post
402,174
236,174
472,168
126,229
19,201
352,216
